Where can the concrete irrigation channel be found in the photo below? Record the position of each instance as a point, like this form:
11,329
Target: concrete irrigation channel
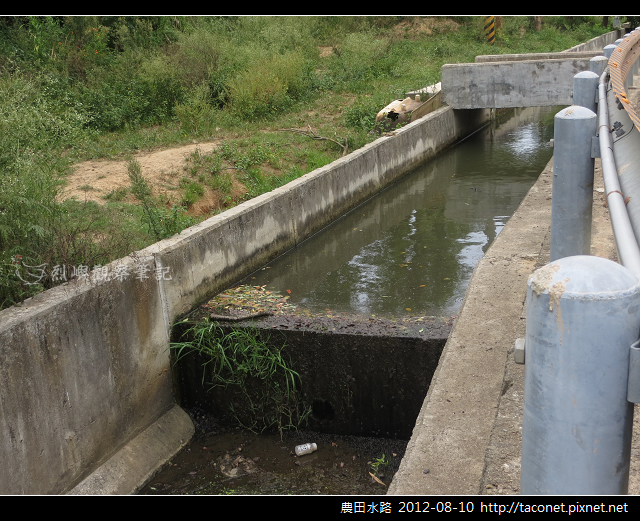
362,374
87,390
89,408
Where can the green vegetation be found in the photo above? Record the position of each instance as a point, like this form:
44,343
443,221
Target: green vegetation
263,392
162,223
378,464
86,87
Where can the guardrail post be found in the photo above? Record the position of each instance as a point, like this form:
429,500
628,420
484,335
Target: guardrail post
585,90
598,64
608,50
583,315
572,197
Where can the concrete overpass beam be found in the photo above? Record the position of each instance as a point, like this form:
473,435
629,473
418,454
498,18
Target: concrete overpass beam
534,83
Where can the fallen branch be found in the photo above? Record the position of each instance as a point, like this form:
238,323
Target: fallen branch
225,318
374,477
310,133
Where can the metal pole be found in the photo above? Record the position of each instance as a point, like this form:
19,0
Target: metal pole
627,245
583,314
585,90
572,202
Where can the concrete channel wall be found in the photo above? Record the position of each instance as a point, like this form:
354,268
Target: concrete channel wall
599,42
86,399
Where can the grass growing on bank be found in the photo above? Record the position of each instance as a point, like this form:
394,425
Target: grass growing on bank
86,87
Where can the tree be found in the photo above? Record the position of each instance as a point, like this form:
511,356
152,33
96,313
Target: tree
537,22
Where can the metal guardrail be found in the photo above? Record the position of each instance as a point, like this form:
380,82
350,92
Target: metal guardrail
626,242
623,60
622,123
582,370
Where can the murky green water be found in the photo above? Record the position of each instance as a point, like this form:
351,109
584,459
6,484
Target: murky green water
238,462
413,247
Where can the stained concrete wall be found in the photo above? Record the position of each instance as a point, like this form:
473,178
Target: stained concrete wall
486,58
361,380
84,367
82,371
527,80
597,43
540,83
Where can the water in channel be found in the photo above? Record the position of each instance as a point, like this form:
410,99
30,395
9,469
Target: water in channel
409,250
412,248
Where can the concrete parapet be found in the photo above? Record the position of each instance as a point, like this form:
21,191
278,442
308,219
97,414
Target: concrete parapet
83,371
520,80
597,43
490,58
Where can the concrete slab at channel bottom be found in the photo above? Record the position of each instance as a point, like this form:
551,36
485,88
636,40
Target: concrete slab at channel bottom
467,438
130,468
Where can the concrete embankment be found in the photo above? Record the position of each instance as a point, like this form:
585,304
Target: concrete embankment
86,391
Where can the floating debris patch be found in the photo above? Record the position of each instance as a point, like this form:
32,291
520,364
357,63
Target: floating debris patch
247,302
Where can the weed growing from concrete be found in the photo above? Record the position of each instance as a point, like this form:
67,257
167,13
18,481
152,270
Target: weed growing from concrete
251,372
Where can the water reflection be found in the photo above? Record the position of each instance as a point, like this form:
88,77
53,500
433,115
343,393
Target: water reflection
412,248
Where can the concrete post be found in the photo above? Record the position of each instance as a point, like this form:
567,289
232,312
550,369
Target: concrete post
608,50
598,64
585,90
572,199
583,314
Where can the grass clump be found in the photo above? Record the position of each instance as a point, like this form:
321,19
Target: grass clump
162,222
262,390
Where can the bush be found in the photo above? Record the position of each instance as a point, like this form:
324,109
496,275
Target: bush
126,96
251,371
360,56
198,55
268,86
31,121
196,114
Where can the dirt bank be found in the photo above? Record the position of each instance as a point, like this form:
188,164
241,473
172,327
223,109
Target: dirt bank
92,180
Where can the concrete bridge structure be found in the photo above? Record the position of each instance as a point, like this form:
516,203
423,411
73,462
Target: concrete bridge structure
523,80
86,402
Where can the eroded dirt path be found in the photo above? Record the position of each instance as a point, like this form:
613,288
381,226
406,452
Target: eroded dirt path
92,180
